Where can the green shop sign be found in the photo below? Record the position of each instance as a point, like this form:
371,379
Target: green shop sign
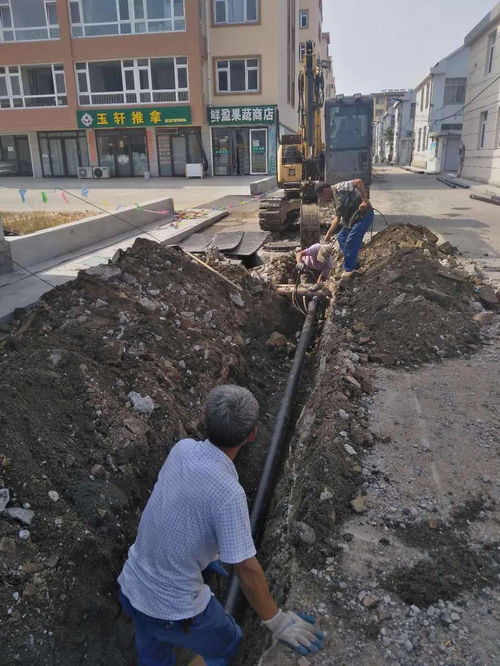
140,117
242,115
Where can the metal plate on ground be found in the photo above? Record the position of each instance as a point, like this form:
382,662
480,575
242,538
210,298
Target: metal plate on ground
196,242
251,242
228,240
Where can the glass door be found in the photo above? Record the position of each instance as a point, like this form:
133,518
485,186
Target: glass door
241,152
258,151
221,141
137,141
179,155
23,156
123,156
71,154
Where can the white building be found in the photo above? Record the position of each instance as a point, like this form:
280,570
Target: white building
440,99
404,121
481,132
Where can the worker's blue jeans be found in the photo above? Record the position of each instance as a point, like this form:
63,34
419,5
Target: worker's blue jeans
213,635
350,240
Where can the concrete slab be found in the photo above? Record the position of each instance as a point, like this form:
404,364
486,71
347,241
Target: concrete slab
49,243
23,288
263,185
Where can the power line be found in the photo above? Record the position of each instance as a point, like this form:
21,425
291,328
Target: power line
433,122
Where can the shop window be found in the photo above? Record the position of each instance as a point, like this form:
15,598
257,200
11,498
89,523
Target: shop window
28,20
91,18
32,86
303,18
238,75
454,91
134,81
235,11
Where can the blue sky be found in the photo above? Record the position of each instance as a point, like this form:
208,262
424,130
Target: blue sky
393,43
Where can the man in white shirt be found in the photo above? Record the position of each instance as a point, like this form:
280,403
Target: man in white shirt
197,513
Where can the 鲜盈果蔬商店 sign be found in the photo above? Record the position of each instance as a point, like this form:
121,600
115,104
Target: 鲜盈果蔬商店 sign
137,117
264,114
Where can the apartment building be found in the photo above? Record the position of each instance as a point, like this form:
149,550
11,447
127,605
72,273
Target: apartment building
147,86
481,124
383,101
440,99
404,120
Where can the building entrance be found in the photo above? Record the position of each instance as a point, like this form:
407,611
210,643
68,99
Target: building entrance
124,152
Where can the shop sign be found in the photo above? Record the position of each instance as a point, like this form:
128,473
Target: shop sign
242,115
139,117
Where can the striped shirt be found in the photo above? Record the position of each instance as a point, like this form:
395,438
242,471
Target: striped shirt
197,512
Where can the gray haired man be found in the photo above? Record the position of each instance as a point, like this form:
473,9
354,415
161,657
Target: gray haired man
196,514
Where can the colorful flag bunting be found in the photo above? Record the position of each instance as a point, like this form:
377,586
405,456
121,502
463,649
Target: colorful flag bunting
44,197
22,194
84,191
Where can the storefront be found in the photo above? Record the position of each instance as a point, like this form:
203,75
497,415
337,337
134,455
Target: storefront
133,142
62,153
243,140
15,156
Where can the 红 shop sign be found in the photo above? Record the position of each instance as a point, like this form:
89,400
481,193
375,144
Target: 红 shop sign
242,115
140,117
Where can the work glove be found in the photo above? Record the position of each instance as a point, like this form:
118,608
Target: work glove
217,567
300,267
296,630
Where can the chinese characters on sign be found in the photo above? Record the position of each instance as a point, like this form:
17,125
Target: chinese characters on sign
143,117
241,115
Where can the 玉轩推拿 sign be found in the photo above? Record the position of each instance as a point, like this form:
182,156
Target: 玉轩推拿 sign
138,117
242,115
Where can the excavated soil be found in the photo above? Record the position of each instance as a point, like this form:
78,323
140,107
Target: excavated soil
75,451
412,303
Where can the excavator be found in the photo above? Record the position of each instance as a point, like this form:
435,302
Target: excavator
301,159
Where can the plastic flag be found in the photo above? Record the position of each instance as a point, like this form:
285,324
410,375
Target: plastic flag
138,207
22,194
84,191
64,197
44,197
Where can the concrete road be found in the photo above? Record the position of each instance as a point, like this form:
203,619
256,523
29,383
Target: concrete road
118,191
413,198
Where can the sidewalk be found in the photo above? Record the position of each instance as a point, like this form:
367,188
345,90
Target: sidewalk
21,289
478,188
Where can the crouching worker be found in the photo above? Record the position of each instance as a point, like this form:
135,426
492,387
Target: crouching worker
318,259
353,214
198,513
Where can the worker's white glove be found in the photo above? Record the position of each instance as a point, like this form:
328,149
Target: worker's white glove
296,631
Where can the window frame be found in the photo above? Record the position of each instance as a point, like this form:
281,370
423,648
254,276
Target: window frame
51,29
228,59
9,75
497,135
303,13
302,50
143,96
227,23
448,85
483,121
490,52
78,29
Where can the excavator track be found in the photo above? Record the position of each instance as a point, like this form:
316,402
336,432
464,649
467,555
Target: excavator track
274,212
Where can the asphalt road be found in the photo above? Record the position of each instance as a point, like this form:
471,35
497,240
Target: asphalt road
473,226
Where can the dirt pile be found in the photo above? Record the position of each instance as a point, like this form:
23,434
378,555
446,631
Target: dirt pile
96,384
412,303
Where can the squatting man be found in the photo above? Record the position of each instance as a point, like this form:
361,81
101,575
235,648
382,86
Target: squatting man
354,214
197,514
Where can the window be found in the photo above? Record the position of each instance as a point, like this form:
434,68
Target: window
427,94
138,81
454,91
419,143
235,11
413,108
348,126
31,86
28,20
490,52
91,18
483,119
238,75
379,112
422,93
302,50
424,140
303,18
452,126
497,143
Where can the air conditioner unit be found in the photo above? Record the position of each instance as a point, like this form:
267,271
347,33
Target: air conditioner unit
85,172
101,172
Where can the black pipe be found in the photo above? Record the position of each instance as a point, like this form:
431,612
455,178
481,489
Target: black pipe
275,452
447,182
493,200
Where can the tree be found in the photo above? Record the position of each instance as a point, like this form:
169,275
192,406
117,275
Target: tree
389,139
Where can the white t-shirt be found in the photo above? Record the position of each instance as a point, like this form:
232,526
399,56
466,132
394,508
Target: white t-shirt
197,512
